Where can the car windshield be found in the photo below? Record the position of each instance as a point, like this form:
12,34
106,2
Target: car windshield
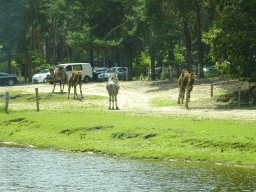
44,71
110,70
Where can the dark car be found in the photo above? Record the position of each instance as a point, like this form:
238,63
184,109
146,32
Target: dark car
7,79
158,72
97,71
49,79
120,71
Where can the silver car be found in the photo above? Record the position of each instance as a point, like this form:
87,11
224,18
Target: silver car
40,77
120,71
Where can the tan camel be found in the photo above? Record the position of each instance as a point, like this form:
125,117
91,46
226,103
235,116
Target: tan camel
74,80
59,75
113,88
185,82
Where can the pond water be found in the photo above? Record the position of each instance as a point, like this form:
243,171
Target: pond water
43,170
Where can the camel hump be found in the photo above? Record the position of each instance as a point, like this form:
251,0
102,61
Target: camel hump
60,67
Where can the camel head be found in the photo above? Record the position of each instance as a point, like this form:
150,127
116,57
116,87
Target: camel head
51,70
113,77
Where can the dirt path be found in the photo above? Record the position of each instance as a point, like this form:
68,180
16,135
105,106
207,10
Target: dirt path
135,96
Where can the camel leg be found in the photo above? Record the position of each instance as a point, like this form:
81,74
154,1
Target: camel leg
187,96
109,107
68,90
182,94
179,97
116,102
60,87
81,90
54,87
75,94
113,100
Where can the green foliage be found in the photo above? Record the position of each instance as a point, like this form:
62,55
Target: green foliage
4,66
232,45
141,78
141,63
79,56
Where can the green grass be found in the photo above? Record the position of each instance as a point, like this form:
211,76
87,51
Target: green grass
119,133
162,102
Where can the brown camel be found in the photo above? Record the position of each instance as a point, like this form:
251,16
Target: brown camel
74,80
113,88
59,75
185,82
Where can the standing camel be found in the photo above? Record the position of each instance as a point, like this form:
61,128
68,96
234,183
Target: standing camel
74,80
185,82
113,88
59,75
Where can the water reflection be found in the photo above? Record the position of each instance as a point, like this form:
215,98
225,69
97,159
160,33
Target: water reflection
40,170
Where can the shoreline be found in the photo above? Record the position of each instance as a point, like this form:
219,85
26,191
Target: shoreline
19,145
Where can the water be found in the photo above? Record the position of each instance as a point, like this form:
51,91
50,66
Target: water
42,170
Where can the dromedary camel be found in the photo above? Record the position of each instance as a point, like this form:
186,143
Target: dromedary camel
185,82
59,75
74,80
113,88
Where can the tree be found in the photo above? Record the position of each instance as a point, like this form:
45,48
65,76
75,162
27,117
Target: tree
233,40
157,33
11,24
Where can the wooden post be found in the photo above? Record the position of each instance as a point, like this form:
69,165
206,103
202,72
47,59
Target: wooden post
20,77
7,102
127,74
37,99
148,74
239,96
212,90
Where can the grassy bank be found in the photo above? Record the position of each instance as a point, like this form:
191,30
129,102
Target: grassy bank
86,127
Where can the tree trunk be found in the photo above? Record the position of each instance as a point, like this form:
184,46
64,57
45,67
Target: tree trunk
9,63
98,58
130,69
188,45
153,59
54,42
91,58
28,64
48,50
33,39
198,39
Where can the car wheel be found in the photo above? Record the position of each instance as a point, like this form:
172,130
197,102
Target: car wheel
86,79
44,81
10,82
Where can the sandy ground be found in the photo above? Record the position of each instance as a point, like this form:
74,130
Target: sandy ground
135,96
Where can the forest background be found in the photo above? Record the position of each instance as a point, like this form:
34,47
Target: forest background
138,34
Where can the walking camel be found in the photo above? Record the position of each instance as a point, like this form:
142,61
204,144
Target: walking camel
113,88
185,82
74,80
59,75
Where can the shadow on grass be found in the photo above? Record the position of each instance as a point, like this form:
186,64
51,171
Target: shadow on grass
223,106
223,83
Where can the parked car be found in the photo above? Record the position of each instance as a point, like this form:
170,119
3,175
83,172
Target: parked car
120,71
158,72
97,71
7,79
85,68
40,77
209,69
184,66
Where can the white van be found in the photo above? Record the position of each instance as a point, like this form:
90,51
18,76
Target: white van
85,68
